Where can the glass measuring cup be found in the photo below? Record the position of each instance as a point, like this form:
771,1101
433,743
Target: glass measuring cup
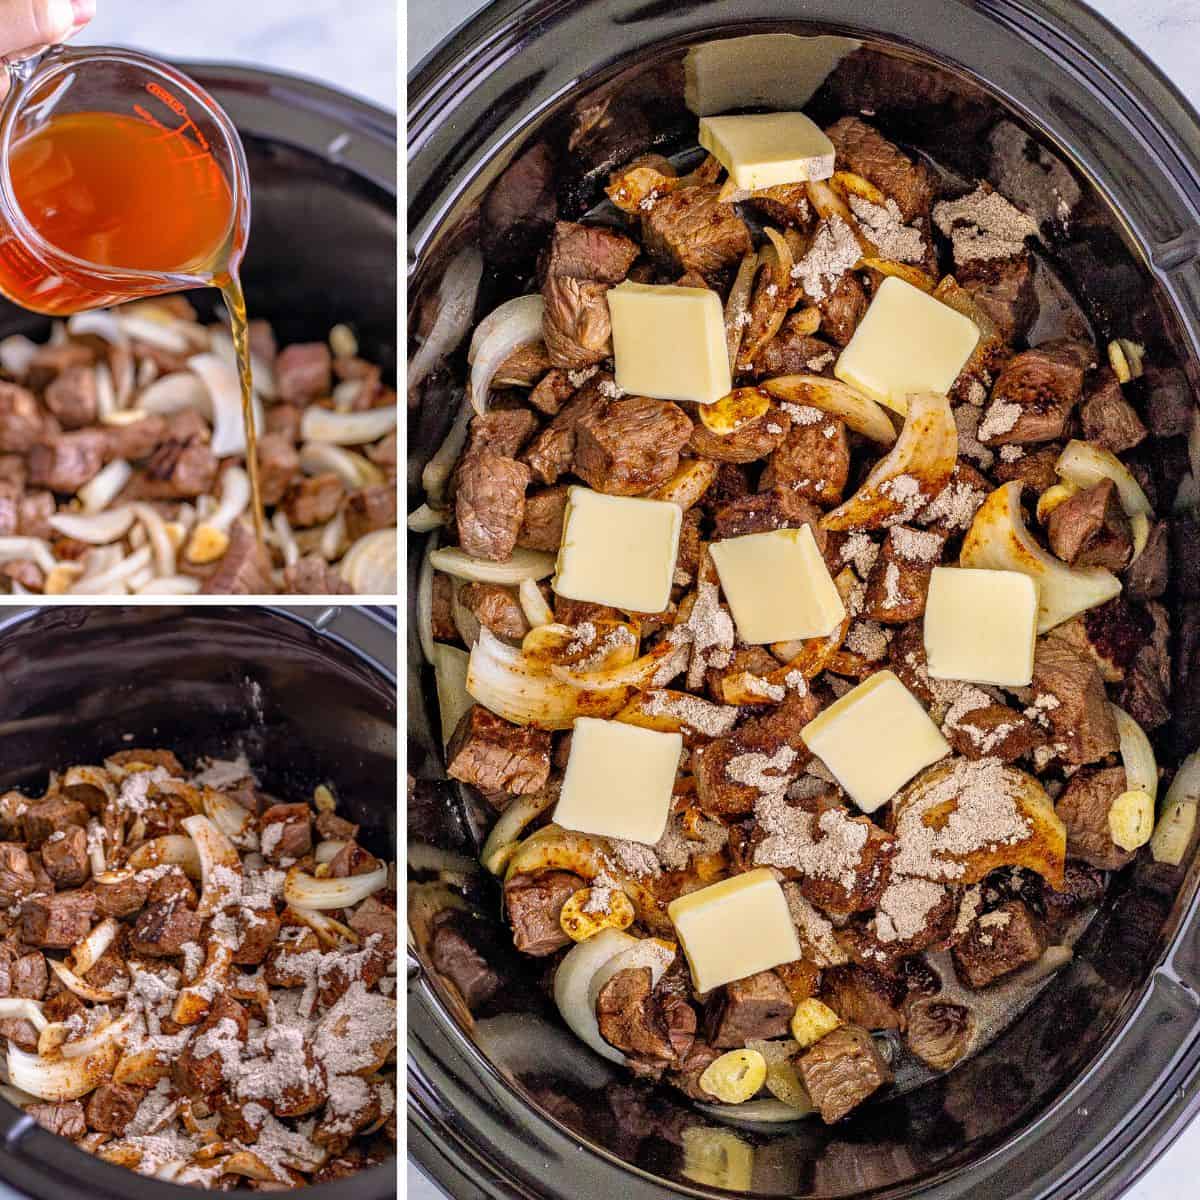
65,82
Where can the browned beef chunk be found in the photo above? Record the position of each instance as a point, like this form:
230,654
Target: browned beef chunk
65,857
862,996
283,419
57,921
523,366
139,439
940,1032
1090,529
373,918
303,372
256,935
17,879
334,828
444,628
121,897
1148,573
759,1006
66,462
244,569
286,831
993,731
27,975
842,308
199,1070
164,928
1082,887
352,859
692,229
551,453
72,397
456,954
173,886
22,422
863,150
1079,713
778,508
626,447
278,464
1003,289
1109,419
542,525
1035,395
791,352
313,499
66,1118
552,391
177,470
1147,691
1083,808
1169,401
748,443
898,582
812,460
630,1019
1035,468
589,252
842,1070
370,508
111,1106
692,1064
495,756
1111,635
313,576
997,943
520,205
489,504
496,607
502,430
533,903
46,817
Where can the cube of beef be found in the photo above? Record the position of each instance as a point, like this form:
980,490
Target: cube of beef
304,371
691,228
72,397
1148,573
1083,808
866,997
17,879
373,918
457,952
1070,691
352,859
334,828
533,904
489,504
111,1107
1003,289
58,921
992,731
542,524
1090,529
313,499
759,1006
497,608
898,582
46,817
257,932
164,928
998,942
66,1118
626,447
278,465
865,151
65,857
761,512
630,1018
842,1070
1035,394
496,756
22,422
370,508
1108,418
813,459
286,831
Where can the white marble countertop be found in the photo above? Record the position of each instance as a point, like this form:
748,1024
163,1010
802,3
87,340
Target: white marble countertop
1168,31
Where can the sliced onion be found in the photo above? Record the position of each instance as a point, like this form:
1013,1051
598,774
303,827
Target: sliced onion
162,331
225,392
176,392
171,585
303,890
20,1009
160,538
424,606
533,604
513,820
220,866
572,983
503,680
465,621
27,547
1141,769
450,676
231,818
97,529
1085,464
104,487
656,668
114,1031
99,322
371,565
81,988
326,928
438,469
16,354
516,323
106,396
457,293
63,1078
261,371
334,535
194,1001
113,578
424,519
329,849
755,1112
860,412
86,953
354,470
347,429
524,564
738,305
175,849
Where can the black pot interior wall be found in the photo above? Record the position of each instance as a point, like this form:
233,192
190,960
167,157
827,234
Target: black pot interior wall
902,1141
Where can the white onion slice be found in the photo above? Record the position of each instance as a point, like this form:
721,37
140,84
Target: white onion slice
354,470
27,547
171,585
174,848
328,850
302,890
533,604
755,1112
653,669
80,987
438,469
515,323
220,866
16,354
112,578
103,487
450,677
163,331
524,564
160,538
371,564
99,322
97,529
261,371
60,1079
347,429
573,980
85,953
114,1031
231,818
512,822
1141,769
225,392
21,1009
106,394
425,600
1085,464
424,519
457,292
173,393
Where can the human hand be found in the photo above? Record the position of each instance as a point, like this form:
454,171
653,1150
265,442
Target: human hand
27,26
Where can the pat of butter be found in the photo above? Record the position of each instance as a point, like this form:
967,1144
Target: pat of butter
906,342
875,739
618,550
778,586
735,928
768,149
981,626
618,780
669,342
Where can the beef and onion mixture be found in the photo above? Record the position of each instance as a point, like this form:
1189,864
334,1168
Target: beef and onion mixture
854,782
197,979
122,460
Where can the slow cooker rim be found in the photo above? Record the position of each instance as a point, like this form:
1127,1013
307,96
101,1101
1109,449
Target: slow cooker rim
442,1148
48,1169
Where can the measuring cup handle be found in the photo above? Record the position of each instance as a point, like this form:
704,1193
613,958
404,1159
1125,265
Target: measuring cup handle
22,70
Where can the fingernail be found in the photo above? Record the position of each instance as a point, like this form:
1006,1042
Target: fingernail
83,11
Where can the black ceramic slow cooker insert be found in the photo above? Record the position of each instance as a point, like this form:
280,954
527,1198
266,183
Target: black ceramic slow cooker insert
308,692
1093,1080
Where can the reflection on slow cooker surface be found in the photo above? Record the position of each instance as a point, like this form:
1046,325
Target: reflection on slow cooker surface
199,948
835,772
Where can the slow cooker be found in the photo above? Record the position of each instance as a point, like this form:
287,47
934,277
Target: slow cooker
1102,1071
308,692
